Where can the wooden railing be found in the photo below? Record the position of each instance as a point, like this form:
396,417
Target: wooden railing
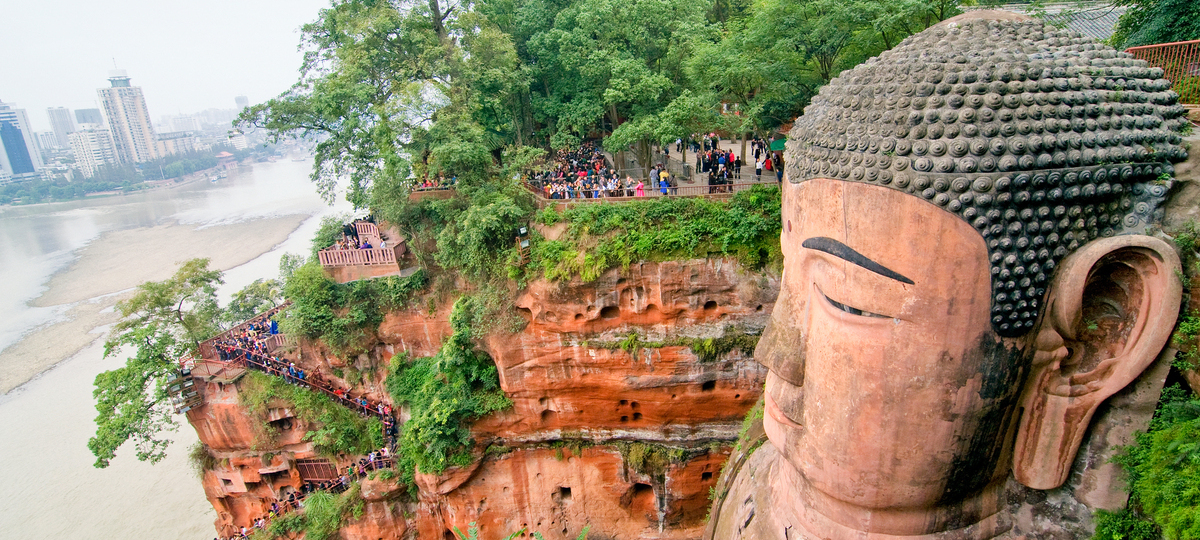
208,352
276,341
623,195
369,232
1180,62
356,257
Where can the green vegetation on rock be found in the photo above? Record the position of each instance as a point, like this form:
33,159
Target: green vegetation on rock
706,349
443,393
1164,476
603,236
344,316
337,430
321,517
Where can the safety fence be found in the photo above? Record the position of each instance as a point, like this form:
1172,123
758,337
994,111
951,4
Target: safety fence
626,194
207,349
1180,62
356,257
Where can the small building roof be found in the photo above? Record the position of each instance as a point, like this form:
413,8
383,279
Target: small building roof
224,155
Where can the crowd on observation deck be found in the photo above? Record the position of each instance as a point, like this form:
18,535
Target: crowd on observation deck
248,345
378,459
585,173
350,239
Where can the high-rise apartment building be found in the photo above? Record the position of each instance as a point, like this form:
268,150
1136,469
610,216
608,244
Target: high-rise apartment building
60,122
242,102
47,142
19,158
128,119
89,116
93,147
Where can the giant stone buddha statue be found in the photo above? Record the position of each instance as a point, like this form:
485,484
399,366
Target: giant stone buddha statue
969,274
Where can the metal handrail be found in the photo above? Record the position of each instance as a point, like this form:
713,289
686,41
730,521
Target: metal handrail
1180,62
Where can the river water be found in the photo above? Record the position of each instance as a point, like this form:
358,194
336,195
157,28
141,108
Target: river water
48,486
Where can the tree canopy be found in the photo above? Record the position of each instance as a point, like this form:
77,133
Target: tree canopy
162,322
399,88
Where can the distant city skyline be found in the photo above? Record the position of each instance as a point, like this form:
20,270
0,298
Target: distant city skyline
187,57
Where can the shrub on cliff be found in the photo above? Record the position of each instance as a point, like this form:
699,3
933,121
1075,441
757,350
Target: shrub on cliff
602,236
336,429
343,315
1164,475
443,393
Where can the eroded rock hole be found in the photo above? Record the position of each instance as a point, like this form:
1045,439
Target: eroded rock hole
759,308
562,494
578,316
709,386
624,402
610,312
637,416
624,419
710,305
706,476
549,416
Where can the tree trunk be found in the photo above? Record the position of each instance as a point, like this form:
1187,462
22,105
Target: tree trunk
644,156
435,16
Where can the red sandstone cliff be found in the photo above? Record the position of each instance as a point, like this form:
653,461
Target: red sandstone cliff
568,381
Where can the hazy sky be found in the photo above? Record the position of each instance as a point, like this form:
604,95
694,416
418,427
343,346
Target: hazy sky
187,56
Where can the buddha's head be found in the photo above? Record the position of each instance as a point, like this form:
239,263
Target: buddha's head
967,274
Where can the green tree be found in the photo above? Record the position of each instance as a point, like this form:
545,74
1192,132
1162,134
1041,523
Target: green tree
1147,22
255,298
162,322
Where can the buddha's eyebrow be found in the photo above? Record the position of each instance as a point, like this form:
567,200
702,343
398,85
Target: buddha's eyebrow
842,251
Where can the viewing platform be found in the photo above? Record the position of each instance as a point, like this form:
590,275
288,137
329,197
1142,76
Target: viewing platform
722,191
346,264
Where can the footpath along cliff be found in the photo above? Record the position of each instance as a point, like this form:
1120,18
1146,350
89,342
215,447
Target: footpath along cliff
623,396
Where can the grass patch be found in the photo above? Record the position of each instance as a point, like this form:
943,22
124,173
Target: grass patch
201,459
650,459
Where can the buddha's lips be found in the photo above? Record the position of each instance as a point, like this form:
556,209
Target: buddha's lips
776,413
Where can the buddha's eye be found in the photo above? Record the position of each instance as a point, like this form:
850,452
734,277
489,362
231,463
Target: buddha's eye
849,309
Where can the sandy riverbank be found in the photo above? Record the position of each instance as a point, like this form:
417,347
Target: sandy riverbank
118,261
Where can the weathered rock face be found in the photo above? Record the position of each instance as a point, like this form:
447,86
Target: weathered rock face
570,380
559,491
565,374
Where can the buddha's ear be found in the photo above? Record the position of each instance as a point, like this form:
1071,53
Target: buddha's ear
1111,308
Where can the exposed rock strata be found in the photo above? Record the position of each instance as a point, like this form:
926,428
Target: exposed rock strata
569,380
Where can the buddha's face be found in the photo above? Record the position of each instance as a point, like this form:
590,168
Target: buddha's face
888,387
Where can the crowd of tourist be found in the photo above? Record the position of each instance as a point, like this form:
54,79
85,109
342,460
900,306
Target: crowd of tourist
248,344
584,174
378,459
350,239
441,182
